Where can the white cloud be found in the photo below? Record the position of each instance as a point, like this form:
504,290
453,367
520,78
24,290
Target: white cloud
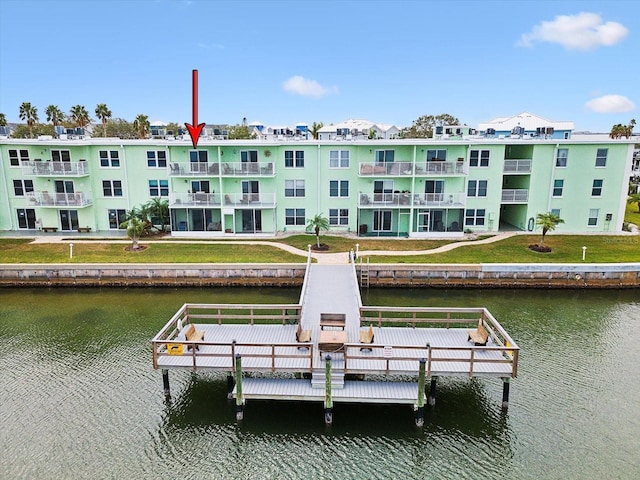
610,104
584,31
307,88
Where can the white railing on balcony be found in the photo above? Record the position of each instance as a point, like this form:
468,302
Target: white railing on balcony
46,199
515,195
517,166
441,168
444,200
246,169
375,169
249,200
191,169
50,168
384,199
201,199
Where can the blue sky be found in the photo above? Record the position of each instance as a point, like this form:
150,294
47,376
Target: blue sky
283,62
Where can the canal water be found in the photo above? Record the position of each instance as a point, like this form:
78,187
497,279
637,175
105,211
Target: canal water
80,399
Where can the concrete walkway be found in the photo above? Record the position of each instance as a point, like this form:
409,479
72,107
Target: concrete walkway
339,258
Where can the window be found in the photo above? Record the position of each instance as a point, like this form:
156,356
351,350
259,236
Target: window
561,157
109,158
17,156
474,217
436,155
596,189
556,212
382,221
294,216
156,159
249,156
338,188
338,216
601,157
558,186
294,158
593,217
294,188
60,155
339,159
383,156
200,186
112,188
479,158
20,187
116,217
199,156
159,188
477,188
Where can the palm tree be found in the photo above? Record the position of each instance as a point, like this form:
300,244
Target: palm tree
634,198
54,115
315,128
29,114
135,225
141,125
3,120
80,116
548,222
158,208
318,223
104,114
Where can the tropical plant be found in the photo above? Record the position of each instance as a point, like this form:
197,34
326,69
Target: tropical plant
548,222
142,126
423,126
158,209
104,114
315,128
318,223
136,225
22,131
241,132
3,120
79,116
634,198
54,115
116,128
619,130
29,114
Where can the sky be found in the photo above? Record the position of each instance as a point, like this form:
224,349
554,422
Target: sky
287,62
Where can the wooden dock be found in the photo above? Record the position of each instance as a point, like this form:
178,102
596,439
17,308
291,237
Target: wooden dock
418,344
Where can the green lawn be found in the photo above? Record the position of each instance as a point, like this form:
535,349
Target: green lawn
344,244
631,214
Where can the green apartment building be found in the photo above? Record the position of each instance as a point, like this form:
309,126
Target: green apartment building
483,181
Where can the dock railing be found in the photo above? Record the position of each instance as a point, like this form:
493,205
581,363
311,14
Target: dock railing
415,317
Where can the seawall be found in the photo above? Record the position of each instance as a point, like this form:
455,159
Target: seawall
622,275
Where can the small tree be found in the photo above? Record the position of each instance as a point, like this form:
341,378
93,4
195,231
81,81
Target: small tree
141,125
548,222
158,209
634,198
54,115
29,114
79,116
104,114
315,128
136,225
3,120
318,223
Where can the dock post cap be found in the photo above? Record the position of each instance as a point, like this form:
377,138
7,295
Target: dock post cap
328,358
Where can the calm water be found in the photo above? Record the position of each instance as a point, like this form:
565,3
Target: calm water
79,398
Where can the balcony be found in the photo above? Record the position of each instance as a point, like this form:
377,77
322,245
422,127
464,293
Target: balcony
388,169
193,169
55,169
515,195
384,200
46,199
439,168
440,200
517,166
250,200
248,169
199,199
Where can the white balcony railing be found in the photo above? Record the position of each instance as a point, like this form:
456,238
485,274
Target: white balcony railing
57,169
191,169
46,199
384,199
249,200
246,169
444,200
441,168
517,166
177,200
515,195
394,169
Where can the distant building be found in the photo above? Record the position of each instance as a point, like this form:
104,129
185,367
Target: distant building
526,125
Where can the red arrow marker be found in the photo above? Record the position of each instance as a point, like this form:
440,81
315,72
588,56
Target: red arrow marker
194,131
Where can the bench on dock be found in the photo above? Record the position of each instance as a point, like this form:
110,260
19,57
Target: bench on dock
478,336
332,320
366,336
302,335
84,229
193,335
49,229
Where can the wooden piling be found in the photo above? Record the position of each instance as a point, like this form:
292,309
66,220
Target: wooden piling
328,401
505,392
421,387
230,384
165,381
432,391
239,399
